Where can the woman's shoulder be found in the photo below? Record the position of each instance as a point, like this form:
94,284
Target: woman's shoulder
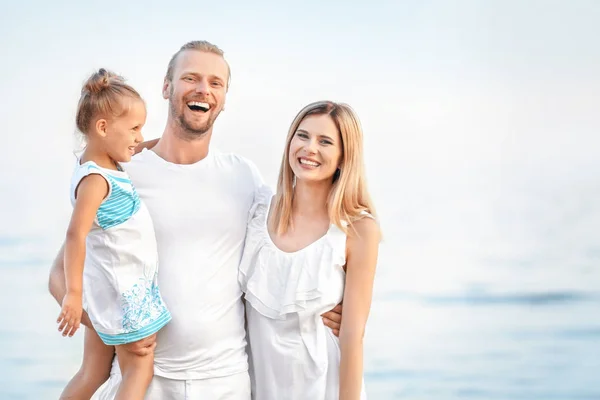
364,228
259,210
264,194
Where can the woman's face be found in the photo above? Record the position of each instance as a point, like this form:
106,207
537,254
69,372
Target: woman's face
315,149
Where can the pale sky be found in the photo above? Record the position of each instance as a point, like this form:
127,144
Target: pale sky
448,92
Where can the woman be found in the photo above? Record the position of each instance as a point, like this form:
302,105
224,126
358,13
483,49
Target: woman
312,244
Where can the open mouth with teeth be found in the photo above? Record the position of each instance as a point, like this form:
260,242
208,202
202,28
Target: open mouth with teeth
198,106
308,163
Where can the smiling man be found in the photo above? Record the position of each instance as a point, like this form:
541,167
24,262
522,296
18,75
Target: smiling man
199,201
194,108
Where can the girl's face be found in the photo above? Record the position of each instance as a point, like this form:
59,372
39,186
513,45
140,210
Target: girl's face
122,134
315,149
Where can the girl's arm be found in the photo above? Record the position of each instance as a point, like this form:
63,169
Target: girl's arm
362,248
89,195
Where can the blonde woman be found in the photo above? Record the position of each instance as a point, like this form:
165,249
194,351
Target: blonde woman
310,245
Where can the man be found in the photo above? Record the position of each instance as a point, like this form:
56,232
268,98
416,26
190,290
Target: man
199,201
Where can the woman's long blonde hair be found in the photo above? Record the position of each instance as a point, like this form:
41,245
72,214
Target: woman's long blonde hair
349,198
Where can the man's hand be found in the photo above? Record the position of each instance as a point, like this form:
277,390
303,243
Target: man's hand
148,144
143,347
333,319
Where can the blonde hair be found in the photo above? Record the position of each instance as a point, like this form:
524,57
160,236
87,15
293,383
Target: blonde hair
349,198
102,96
198,45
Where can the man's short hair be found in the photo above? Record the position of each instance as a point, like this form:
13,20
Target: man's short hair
198,45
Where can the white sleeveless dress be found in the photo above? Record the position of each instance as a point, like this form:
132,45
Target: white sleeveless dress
293,355
120,276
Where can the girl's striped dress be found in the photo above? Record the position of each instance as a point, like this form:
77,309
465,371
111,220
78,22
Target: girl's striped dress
120,288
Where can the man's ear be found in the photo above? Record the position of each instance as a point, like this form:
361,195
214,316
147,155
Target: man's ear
166,90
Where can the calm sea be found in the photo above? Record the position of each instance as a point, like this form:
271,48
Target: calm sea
483,297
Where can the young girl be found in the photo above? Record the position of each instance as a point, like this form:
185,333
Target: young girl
313,243
111,260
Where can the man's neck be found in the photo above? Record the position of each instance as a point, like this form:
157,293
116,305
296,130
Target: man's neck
178,149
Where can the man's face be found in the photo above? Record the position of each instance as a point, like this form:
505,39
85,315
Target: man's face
197,91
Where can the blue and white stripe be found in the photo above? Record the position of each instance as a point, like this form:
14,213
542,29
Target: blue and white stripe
123,338
122,203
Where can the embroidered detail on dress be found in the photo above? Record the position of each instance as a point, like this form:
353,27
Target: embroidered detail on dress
142,305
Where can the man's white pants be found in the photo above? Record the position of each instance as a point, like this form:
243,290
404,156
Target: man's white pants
234,387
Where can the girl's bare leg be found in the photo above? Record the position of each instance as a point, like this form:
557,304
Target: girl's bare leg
94,371
137,372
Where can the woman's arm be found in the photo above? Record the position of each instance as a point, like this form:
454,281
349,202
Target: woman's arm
90,193
362,249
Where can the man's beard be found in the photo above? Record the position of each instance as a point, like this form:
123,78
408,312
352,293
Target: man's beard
189,131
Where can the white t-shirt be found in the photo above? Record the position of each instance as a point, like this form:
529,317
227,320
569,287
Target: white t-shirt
200,212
